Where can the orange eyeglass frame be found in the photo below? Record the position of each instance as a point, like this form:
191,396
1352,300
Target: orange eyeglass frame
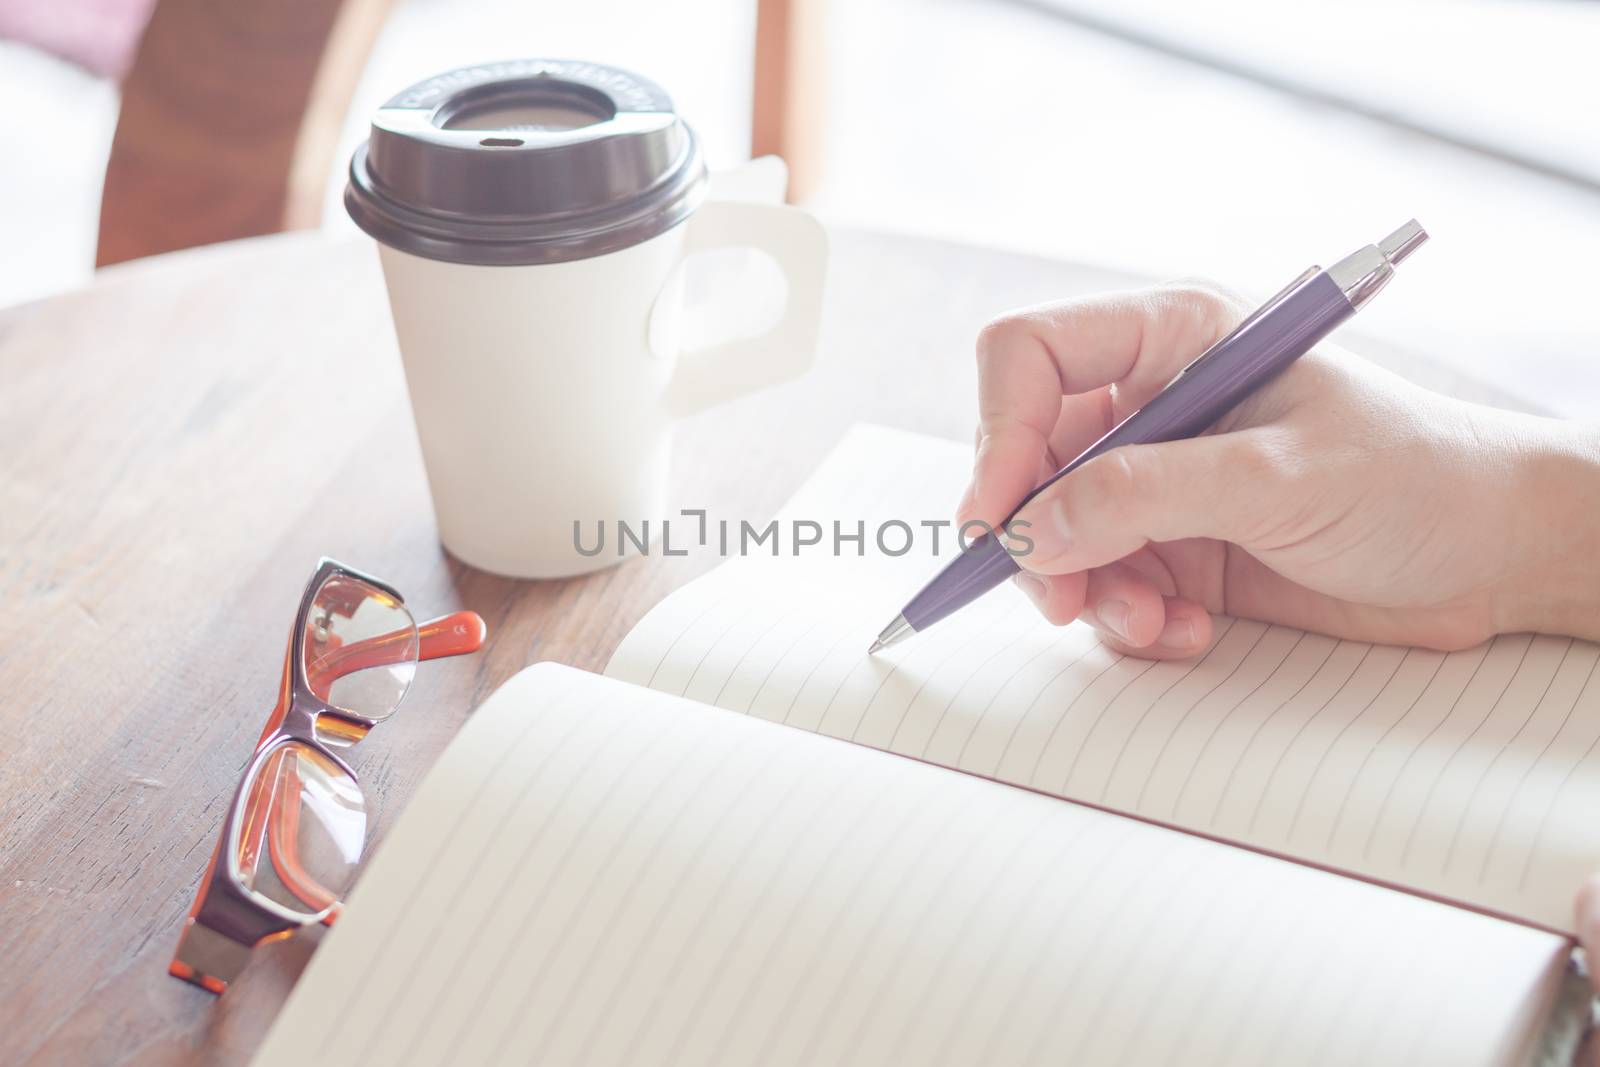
226,922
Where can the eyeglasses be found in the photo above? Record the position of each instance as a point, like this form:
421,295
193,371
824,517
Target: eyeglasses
294,835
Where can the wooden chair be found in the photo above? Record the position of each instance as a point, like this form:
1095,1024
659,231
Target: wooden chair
787,111
232,111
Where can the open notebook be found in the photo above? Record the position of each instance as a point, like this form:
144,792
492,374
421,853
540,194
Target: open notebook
612,870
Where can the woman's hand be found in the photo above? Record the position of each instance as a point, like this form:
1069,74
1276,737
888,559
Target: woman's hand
1339,498
1588,909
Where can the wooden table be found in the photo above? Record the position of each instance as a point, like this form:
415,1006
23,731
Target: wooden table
181,441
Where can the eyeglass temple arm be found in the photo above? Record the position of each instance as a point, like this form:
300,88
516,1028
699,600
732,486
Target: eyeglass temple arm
456,634
283,846
449,635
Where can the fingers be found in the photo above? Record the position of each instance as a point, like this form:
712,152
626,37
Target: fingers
1588,923
1059,597
1012,458
1186,631
1224,486
1126,607
1029,359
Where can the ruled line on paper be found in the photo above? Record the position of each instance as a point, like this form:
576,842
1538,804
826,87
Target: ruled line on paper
1183,716
1472,797
1221,935
1322,757
763,895
517,882
1255,732
437,868
1117,659
555,876
872,698
1355,779
702,888
1483,872
751,647
807,970
1018,721
1140,943
810,673
1555,797
766,678
982,707
1138,724
892,899
983,714
1205,746
667,652
1433,785
1045,891
751,768
710,648
1349,754
1305,723
941,965
1140,672
648,941
819,870
944,712
1394,780
802,974
709,910
434,869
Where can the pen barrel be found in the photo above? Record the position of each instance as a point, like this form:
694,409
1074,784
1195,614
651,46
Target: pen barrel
1204,391
982,565
1217,380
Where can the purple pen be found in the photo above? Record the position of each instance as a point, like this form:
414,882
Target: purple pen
1274,336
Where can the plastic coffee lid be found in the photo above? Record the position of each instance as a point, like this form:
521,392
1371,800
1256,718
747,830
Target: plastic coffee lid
528,161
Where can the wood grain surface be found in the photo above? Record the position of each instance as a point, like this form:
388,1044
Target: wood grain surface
181,441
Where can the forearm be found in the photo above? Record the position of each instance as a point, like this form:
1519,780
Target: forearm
1553,581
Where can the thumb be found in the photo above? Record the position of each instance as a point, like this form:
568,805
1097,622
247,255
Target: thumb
1220,486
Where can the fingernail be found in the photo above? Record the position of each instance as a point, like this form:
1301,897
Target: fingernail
1113,614
1177,634
1035,586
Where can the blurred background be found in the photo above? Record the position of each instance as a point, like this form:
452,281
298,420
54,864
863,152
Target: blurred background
1238,139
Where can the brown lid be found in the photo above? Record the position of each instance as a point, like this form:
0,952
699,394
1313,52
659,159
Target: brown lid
528,161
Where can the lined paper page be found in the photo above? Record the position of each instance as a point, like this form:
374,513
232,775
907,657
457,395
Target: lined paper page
1471,776
597,874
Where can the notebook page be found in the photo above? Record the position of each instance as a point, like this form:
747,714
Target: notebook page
598,874
1469,776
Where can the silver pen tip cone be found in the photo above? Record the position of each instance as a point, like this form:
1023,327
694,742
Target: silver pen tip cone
895,632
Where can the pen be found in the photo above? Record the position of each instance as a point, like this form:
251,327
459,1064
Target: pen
1274,336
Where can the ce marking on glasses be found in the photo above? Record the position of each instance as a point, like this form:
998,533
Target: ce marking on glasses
294,834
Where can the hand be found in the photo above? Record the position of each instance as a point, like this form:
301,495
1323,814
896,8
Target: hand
1339,498
1588,909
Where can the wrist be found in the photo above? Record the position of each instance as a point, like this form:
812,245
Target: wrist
1552,582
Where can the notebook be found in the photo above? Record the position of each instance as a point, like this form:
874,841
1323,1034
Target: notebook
997,843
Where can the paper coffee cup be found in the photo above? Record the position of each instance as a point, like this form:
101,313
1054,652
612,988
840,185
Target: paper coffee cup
531,217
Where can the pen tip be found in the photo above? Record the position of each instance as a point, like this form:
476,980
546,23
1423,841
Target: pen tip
896,631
